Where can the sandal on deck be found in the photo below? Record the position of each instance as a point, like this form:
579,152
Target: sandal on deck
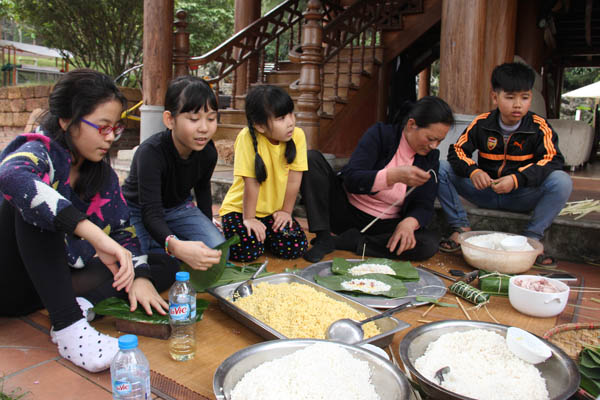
448,245
550,262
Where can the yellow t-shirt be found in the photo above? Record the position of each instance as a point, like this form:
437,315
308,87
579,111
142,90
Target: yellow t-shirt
272,191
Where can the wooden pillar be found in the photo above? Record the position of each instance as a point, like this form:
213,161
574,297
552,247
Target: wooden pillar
246,12
476,36
529,43
424,83
310,75
157,71
181,45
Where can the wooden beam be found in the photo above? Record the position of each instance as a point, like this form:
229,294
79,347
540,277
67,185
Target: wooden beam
424,82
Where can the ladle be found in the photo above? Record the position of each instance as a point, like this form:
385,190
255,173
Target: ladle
245,289
350,331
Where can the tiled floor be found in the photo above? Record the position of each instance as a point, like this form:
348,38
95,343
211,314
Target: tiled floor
31,366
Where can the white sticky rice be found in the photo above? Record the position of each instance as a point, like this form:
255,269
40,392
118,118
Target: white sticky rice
371,269
492,241
481,367
319,371
366,285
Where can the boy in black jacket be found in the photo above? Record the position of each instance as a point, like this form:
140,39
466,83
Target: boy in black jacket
519,166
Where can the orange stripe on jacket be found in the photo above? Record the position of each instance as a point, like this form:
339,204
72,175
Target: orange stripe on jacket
525,167
463,139
509,157
548,145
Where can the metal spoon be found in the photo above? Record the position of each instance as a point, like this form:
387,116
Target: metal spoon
350,331
245,288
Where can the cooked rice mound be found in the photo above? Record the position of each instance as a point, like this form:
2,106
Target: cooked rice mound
299,311
366,285
363,269
481,367
319,371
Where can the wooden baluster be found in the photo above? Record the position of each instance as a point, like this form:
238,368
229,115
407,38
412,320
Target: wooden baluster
276,65
217,90
310,82
248,73
351,48
337,76
234,89
374,41
261,66
322,105
363,36
181,44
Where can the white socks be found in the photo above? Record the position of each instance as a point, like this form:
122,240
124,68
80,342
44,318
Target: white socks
86,308
85,347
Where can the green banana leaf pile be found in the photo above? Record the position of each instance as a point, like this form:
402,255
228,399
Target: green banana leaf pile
496,285
119,308
589,366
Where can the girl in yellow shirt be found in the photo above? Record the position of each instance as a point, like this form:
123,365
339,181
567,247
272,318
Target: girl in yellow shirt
270,157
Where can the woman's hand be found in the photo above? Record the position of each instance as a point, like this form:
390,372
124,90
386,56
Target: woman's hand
407,174
503,185
116,258
403,237
481,180
256,228
144,292
194,253
281,220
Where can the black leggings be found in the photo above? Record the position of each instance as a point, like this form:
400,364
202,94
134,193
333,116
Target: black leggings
328,209
35,273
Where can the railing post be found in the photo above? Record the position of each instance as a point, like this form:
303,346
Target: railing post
181,45
310,77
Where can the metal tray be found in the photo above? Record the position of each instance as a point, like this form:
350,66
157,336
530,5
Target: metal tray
388,326
561,373
428,285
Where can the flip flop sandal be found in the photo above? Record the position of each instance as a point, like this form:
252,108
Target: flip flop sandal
539,261
449,246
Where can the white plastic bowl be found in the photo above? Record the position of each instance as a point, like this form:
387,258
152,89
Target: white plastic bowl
527,346
505,262
537,304
514,243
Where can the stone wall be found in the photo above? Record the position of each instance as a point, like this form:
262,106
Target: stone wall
20,106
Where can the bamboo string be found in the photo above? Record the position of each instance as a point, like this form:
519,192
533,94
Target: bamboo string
490,314
425,321
463,309
427,311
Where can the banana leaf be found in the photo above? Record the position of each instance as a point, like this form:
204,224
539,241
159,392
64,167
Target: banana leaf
403,269
233,273
434,301
334,282
201,280
119,308
590,386
496,285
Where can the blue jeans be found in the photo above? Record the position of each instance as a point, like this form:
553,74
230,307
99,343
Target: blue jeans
187,223
545,201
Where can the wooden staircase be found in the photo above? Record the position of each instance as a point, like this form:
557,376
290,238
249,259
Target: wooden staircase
355,54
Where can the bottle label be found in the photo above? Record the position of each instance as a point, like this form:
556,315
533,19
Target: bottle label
122,387
179,312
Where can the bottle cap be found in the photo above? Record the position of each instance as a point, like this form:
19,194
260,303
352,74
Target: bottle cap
182,276
128,342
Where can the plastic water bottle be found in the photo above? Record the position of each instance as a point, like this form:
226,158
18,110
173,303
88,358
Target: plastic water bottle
182,317
130,371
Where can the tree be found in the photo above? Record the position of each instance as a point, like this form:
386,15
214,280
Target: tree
210,23
102,34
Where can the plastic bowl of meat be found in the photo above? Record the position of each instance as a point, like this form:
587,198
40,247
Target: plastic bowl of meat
537,296
487,250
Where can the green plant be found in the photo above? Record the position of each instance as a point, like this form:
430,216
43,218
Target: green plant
13,394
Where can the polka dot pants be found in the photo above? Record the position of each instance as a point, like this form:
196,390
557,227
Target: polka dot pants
288,243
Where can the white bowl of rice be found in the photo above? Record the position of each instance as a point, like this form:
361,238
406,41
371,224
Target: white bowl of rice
537,296
485,250
308,369
480,364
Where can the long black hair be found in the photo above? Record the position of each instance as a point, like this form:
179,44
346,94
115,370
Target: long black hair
262,103
189,94
74,96
426,111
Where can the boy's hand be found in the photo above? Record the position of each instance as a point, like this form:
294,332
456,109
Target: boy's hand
503,185
481,180
256,228
281,220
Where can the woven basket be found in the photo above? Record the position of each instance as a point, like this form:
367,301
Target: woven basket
572,337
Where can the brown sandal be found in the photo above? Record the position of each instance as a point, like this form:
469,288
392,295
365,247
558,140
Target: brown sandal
448,245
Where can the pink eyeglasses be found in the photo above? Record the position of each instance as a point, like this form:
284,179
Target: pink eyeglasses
106,130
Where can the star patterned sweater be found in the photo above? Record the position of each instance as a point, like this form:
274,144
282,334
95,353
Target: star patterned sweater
34,178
